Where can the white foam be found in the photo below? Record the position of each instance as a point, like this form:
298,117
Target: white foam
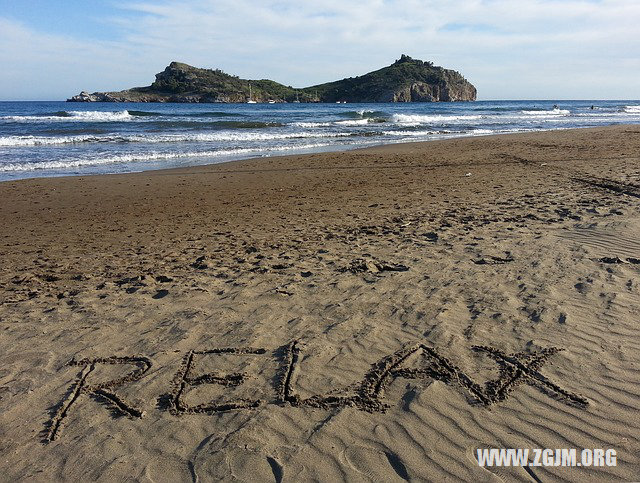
310,125
75,116
418,119
453,133
346,123
236,136
553,112
409,133
44,140
99,116
148,156
218,136
355,122
632,109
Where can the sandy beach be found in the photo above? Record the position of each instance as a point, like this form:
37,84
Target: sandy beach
369,315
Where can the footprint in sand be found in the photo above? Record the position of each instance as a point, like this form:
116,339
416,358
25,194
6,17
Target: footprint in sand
376,465
238,464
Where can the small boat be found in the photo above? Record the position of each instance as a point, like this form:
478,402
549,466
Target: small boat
271,101
250,99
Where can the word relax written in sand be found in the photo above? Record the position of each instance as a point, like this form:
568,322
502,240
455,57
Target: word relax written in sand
514,369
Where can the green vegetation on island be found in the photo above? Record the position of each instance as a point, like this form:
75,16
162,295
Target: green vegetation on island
406,80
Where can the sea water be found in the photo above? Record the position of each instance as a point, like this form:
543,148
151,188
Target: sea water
43,139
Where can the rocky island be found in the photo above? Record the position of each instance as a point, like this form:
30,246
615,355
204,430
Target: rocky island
406,80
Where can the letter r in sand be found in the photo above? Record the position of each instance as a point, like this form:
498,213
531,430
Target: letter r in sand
102,390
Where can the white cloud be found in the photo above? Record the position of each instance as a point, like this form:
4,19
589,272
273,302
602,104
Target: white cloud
539,48
45,66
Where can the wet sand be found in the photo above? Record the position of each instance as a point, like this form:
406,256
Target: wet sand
371,315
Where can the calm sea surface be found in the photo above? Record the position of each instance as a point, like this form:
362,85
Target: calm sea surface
42,139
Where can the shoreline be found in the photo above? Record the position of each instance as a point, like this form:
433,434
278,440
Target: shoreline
330,150
329,316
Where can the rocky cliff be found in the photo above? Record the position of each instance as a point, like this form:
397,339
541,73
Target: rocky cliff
406,80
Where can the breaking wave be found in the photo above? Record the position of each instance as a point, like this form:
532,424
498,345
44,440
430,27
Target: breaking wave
553,112
8,141
111,116
346,123
149,156
364,114
417,119
74,116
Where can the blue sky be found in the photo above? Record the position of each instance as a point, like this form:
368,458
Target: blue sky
529,49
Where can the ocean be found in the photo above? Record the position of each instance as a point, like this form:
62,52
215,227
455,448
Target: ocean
44,139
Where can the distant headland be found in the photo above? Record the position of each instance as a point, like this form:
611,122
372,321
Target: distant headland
406,80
